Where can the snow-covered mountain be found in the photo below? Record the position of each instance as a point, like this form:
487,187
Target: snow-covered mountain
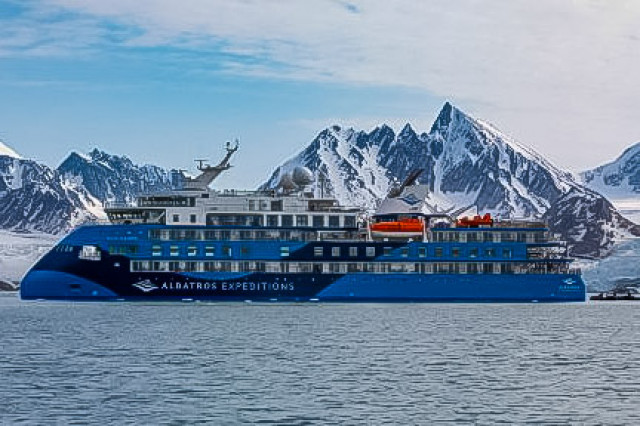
619,181
113,178
34,197
467,162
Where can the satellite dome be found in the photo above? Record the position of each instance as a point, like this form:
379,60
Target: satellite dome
286,183
302,176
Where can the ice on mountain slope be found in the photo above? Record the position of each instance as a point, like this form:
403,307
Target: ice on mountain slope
619,181
19,251
466,162
33,197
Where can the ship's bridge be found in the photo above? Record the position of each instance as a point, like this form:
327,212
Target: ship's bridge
234,208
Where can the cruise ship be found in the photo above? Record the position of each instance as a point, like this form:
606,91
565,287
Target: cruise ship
285,245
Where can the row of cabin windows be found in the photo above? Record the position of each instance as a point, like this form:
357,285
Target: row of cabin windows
495,236
192,251
210,251
349,267
276,206
248,234
192,218
422,252
285,220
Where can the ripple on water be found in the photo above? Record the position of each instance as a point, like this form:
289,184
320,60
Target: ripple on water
307,364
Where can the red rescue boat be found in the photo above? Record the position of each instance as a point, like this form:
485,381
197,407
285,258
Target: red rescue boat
475,222
403,227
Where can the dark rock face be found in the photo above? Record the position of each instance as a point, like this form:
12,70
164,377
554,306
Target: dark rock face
114,178
35,197
466,162
619,179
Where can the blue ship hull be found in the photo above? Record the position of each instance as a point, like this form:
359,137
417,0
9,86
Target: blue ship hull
61,275
361,287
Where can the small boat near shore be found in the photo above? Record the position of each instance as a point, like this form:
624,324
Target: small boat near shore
628,293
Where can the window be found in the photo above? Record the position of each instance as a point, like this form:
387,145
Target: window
244,250
404,252
506,237
226,251
318,221
209,251
252,205
334,221
506,268
276,206
473,252
438,252
349,221
192,251
422,252
287,220
455,252
371,252
335,251
174,251
318,251
386,251
156,250
284,251
506,253
353,251
176,218
302,220
192,218
490,252
272,220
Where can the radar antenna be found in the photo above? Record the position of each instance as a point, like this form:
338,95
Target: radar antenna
201,164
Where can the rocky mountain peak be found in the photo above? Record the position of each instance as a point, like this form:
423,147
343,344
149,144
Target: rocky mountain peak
466,162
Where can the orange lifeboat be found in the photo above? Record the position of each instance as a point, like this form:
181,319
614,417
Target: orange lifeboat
404,227
475,222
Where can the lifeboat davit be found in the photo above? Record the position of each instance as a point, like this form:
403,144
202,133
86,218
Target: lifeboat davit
405,227
475,222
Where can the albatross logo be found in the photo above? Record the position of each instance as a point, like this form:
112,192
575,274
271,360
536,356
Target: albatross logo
146,286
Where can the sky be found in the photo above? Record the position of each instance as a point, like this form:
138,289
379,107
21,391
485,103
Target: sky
165,82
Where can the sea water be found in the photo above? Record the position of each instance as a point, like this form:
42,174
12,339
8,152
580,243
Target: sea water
189,363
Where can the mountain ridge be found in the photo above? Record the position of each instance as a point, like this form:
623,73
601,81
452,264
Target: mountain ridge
466,161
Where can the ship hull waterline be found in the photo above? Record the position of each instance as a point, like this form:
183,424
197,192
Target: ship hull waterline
360,287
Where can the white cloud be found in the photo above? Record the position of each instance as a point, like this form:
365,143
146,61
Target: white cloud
554,72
